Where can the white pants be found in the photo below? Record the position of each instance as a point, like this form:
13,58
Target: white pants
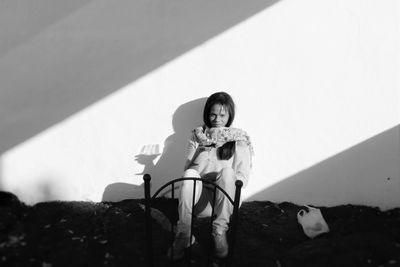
223,209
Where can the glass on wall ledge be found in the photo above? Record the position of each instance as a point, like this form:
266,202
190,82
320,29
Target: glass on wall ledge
152,149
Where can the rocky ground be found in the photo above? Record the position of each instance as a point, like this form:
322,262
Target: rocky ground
52,234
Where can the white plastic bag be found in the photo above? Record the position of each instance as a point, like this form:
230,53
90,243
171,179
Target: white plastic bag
312,222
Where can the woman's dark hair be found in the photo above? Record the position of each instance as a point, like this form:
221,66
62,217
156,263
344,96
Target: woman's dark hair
226,151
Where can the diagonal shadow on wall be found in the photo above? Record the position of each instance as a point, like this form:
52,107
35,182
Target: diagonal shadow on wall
366,174
64,64
21,21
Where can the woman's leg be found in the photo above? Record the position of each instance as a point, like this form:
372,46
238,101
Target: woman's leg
182,238
223,209
186,199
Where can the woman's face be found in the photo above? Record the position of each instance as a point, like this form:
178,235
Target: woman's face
219,115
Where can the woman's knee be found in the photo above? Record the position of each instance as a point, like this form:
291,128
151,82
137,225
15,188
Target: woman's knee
187,185
191,173
226,176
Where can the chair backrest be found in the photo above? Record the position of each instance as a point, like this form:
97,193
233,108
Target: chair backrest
232,225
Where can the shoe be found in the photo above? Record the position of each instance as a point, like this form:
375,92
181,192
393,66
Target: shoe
181,242
220,244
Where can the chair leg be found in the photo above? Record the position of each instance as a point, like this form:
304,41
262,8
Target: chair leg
149,234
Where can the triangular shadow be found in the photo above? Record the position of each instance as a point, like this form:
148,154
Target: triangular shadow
365,174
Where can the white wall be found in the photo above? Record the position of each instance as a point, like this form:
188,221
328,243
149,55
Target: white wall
315,83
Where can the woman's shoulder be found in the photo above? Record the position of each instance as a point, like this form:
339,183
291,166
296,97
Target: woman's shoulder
237,131
238,134
242,143
242,139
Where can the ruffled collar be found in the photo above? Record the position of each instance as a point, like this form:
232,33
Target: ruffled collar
219,136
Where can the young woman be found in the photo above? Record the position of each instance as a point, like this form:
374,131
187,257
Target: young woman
218,153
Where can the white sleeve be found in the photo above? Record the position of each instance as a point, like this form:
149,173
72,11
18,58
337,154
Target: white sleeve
191,150
242,163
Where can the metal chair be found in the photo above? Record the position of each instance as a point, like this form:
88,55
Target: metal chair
233,222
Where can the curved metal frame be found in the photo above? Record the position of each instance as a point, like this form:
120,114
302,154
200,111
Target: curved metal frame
193,179
235,215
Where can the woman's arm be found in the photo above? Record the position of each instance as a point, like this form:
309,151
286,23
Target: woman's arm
191,150
242,162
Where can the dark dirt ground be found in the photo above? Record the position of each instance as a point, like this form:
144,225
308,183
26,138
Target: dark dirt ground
52,234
